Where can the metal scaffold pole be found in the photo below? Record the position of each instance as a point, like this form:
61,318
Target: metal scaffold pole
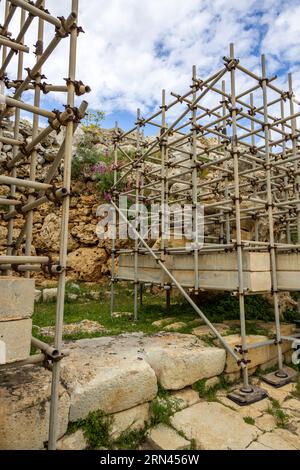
20,170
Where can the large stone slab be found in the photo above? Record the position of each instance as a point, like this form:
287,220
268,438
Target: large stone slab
280,439
214,427
108,374
15,340
17,298
180,360
24,411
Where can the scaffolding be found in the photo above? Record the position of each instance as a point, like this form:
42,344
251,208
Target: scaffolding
19,258
231,145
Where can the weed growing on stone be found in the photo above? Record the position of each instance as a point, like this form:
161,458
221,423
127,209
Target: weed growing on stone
96,429
296,392
249,420
274,409
162,408
210,393
131,440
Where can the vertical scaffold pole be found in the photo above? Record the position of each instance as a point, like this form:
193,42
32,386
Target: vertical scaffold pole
227,214
280,373
195,212
163,214
35,131
63,237
235,155
253,141
113,248
137,213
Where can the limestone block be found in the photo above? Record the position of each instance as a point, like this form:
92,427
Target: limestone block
17,298
280,439
15,340
279,394
186,397
130,420
163,322
181,360
258,446
258,356
175,326
266,422
25,404
163,437
255,410
107,374
211,383
292,405
204,330
86,264
75,441
50,295
37,295
214,427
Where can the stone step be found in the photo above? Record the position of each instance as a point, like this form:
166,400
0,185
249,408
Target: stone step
117,373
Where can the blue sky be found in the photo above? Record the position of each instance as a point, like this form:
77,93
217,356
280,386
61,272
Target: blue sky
134,48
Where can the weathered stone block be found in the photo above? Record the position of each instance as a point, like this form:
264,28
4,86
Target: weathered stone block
24,411
130,420
15,340
75,441
49,295
280,439
181,360
17,298
107,374
185,398
214,427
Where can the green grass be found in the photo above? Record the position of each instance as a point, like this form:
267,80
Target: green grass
221,308
99,310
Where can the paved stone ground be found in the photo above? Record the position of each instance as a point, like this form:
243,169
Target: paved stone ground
271,424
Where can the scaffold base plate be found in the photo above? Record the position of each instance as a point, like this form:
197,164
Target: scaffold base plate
277,380
247,398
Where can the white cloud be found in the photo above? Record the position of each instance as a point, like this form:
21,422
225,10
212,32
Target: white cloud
134,48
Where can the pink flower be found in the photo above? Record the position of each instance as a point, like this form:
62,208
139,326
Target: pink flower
99,167
107,196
